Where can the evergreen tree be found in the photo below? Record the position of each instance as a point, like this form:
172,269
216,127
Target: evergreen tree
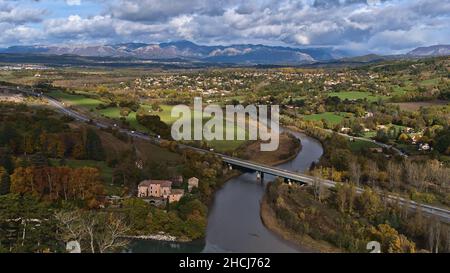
4,181
94,148
6,160
39,160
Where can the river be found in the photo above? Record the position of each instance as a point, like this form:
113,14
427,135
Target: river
234,223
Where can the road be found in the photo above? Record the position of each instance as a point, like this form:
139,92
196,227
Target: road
384,145
441,213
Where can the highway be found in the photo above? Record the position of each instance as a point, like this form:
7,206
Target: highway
440,213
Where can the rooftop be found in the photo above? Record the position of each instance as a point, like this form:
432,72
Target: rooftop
163,183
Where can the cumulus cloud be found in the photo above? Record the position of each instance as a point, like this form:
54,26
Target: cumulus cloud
18,34
15,14
73,2
156,10
82,28
384,26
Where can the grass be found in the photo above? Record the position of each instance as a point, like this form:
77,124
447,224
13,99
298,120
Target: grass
429,82
329,117
114,113
156,154
219,145
370,134
399,91
358,145
355,95
76,99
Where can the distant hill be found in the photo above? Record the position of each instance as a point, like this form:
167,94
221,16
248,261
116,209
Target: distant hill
233,54
428,51
366,58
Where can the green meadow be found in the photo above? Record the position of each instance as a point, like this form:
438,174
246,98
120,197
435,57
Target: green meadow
76,99
358,145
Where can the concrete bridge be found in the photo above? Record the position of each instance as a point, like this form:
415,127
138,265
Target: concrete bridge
294,177
262,169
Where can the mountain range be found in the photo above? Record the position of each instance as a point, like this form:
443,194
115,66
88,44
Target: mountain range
236,54
241,54
436,50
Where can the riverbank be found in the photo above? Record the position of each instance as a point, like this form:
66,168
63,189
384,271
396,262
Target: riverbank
157,237
271,222
288,149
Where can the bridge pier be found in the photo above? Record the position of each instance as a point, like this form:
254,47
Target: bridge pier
260,176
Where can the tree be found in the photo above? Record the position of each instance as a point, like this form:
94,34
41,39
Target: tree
110,233
394,172
391,241
355,172
27,225
154,124
317,184
58,183
39,159
136,211
403,138
4,181
95,231
372,172
369,204
345,197
79,151
93,147
6,160
341,197
443,142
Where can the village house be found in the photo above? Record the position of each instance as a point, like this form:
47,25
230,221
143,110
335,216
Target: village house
415,138
381,127
424,147
346,130
154,188
376,150
159,189
368,115
175,195
192,182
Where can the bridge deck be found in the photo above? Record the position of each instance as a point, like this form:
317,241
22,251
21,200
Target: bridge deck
444,214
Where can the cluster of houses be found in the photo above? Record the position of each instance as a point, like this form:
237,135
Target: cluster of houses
162,189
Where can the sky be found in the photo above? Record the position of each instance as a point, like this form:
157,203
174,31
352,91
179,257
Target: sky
360,26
